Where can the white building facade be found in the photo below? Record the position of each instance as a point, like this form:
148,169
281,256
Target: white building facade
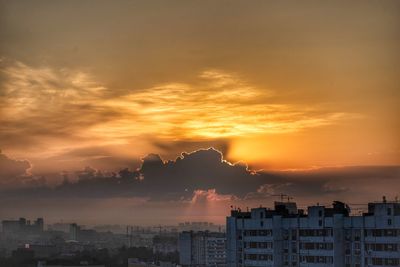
322,237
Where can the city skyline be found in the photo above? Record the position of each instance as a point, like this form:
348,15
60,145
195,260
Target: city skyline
280,236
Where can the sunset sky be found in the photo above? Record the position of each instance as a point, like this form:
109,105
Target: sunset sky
281,86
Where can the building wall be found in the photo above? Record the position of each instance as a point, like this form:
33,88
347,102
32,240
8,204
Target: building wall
202,249
320,238
185,248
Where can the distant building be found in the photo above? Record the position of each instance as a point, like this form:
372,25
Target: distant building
43,264
199,226
202,249
23,254
165,244
43,251
322,237
134,262
74,231
22,227
10,227
62,227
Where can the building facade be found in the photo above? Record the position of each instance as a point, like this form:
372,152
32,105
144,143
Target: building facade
323,236
202,249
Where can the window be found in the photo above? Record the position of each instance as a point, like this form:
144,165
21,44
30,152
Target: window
265,232
251,257
294,234
389,221
357,234
253,245
294,247
329,232
389,211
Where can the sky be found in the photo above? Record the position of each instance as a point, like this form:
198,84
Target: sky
304,96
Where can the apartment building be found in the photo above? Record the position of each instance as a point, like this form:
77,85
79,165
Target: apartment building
322,236
202,248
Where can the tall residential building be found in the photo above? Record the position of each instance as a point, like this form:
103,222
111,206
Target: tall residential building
285,236
202,249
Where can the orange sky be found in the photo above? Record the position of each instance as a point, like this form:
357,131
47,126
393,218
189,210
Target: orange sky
279,85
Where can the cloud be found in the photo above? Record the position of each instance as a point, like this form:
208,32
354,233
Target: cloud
157,179
210,195
205,174
203,181
41,106
218,105
173,148
10,168
201,169
14,173
60,109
